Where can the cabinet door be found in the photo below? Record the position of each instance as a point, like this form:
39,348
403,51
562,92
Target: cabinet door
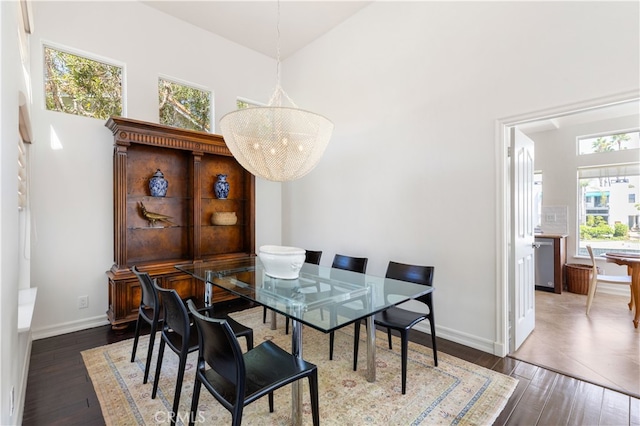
183,284
124,300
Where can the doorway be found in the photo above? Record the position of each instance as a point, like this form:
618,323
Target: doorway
580,111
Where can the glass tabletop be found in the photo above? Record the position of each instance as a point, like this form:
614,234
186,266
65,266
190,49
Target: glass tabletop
321,297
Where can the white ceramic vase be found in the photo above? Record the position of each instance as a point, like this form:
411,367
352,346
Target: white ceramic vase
281,261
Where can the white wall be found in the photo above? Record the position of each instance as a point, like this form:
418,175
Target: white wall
414,90
72,187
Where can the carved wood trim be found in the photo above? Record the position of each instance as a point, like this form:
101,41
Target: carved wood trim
127,131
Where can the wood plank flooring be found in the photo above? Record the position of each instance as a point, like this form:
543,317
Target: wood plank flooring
59,391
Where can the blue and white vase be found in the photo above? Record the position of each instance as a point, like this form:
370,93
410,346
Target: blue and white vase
158,185
221,187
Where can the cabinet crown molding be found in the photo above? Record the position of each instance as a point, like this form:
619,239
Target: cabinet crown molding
127,131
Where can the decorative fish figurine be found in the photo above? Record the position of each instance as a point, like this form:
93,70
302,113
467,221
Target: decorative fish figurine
154,217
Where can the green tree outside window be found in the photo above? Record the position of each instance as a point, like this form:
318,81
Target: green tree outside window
81,86
184,106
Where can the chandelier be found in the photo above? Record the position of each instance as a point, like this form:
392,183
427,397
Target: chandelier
277,142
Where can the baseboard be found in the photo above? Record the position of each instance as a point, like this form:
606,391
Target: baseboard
69,327
465,339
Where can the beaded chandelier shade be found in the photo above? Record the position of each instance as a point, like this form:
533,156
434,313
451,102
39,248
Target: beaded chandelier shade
276,142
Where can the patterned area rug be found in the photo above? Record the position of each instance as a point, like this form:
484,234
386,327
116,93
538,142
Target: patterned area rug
455,392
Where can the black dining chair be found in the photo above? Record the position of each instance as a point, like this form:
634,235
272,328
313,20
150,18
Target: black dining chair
149,312
312,257
180,334
236,379
345,263
402,320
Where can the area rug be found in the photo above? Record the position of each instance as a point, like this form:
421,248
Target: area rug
456,392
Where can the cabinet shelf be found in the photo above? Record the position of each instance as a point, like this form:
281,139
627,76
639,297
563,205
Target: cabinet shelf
156,199
222,200
190,162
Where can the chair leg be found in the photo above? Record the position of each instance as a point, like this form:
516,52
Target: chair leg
158,366
249,337
286,327
179,379
135,340
236,413
389,337
264,314
356,344
271,402
631,302
194,400
333,319
313,393
147,365
591,293
433,338
404,337
331,338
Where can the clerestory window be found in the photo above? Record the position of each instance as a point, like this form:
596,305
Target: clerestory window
82,86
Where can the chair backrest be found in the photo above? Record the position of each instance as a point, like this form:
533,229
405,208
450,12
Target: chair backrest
176,316
594,266
219,348
412,273
149,295
313,257
593,259
349,263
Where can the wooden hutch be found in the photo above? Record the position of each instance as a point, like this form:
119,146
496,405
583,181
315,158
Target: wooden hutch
190,162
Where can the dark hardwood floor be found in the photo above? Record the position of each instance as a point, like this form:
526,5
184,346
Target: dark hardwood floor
59,391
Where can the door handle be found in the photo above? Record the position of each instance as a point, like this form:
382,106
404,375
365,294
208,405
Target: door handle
535,245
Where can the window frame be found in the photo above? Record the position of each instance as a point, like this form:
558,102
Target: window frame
597,161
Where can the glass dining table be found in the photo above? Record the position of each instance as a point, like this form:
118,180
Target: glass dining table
322,298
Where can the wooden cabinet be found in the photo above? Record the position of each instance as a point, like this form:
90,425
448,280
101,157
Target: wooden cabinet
551,256
190,161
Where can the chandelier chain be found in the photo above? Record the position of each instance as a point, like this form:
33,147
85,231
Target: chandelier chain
279,95
278,47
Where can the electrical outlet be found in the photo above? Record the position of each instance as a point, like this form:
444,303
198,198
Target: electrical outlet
83,302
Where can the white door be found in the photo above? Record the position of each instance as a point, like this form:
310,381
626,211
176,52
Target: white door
522,251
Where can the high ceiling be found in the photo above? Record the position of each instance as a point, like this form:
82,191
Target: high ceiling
254,24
